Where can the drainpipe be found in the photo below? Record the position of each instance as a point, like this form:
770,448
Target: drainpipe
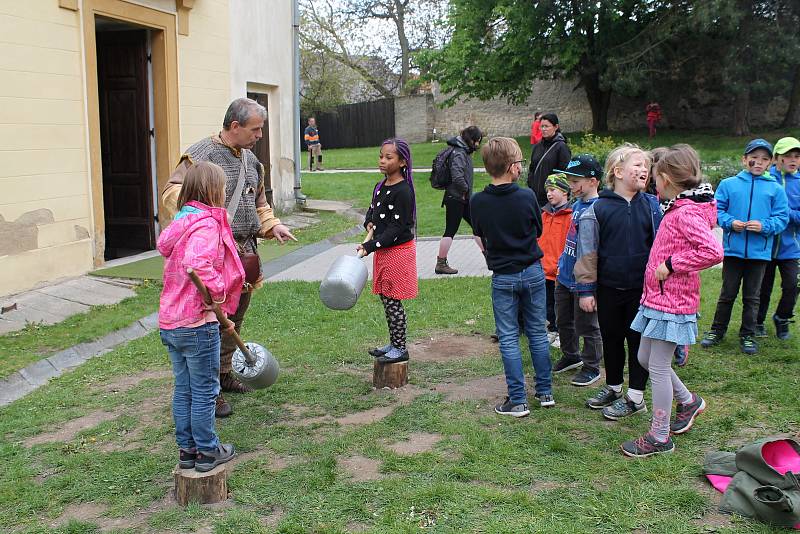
299,197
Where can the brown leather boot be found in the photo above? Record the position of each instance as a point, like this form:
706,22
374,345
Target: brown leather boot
443,268
230,384
222,409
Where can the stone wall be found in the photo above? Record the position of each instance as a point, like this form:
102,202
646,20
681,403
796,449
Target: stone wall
497,117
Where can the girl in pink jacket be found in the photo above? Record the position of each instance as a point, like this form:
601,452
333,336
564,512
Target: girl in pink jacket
684,245
199,238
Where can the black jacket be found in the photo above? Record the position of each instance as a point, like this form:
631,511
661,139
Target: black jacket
508,220
392,213
557,157
460,161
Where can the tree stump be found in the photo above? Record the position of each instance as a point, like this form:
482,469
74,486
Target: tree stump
203,488
390,375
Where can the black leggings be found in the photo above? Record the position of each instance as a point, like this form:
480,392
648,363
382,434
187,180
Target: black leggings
455,210
616,310
396,319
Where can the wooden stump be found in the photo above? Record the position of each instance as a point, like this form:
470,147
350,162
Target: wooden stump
390,375
203,488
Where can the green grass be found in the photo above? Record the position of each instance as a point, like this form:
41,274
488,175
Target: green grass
713,145
37,341
558,470
269,249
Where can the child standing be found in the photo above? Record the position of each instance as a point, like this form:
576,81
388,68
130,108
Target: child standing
556,217
751,209
199,238
583,173
508,221
536,128
392,217
667,316
786,251
619,230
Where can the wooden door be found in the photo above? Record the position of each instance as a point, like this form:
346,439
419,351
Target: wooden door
125,142
261,150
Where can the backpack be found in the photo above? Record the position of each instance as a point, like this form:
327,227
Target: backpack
440,169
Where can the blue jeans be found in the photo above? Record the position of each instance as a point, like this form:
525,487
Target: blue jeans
522,291
195,365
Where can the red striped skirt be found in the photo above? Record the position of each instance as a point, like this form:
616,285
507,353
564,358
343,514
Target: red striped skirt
394,272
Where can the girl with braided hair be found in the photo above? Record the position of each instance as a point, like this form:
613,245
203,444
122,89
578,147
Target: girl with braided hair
392,218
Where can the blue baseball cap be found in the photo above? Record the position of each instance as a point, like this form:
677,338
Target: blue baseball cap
755,144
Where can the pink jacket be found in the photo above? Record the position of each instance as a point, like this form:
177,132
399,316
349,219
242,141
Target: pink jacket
684,236
202,241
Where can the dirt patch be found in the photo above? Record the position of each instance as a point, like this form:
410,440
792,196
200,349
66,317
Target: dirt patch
484,389
356,527
68,430
404,397
360,468
272,520
445,347
148,413
86,511
276,463
416,443
125,383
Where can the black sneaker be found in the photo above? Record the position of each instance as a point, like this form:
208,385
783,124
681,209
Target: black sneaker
546,400
393,356
761,330
585,377
514,410
686,413
646,446
603,398
187,458
380,351
208,460
710,339
565,363
781,327
681,355
748,344
623,408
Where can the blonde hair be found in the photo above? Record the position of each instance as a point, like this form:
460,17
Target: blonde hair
681,163
204,182
498,154
618,157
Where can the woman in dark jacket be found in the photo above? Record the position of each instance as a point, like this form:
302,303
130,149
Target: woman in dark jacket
550,153
457,194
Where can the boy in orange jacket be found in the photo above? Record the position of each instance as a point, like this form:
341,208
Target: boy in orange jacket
556,216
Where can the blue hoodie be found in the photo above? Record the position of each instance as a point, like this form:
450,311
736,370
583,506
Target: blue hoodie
787,244
745,198
566,263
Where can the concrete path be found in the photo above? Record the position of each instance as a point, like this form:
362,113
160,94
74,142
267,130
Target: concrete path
464,256
54,303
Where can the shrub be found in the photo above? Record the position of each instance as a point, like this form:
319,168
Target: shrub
597,146
717,171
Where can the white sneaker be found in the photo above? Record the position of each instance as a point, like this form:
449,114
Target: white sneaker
551,336
555,342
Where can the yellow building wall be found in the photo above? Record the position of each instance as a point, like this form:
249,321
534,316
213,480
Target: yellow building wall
204,71
44,205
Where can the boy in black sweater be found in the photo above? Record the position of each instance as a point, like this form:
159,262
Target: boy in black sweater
508,220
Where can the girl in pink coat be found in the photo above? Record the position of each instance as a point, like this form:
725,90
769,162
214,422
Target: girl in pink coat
198,238
684,245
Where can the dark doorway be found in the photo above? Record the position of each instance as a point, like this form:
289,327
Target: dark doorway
261,150
125,140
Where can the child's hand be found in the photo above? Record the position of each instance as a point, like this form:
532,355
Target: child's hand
229,330
588,304
662,272
361,251
738,226
754,226
370,226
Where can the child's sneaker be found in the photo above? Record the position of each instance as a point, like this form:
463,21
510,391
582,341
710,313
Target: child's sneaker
711,339
781,327
546,400
623,408
565,363
761,330
187,458
681,355
514,410
208,460
748,344
686,413
585,377
603,398
554,339
380,351
646,446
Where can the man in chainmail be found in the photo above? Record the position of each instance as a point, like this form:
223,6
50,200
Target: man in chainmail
241,129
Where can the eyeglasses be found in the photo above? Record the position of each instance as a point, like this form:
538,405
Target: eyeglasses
522,162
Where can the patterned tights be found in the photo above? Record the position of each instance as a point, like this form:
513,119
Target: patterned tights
396,319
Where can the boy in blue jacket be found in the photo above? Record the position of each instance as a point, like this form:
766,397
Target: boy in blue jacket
751,209
786,250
